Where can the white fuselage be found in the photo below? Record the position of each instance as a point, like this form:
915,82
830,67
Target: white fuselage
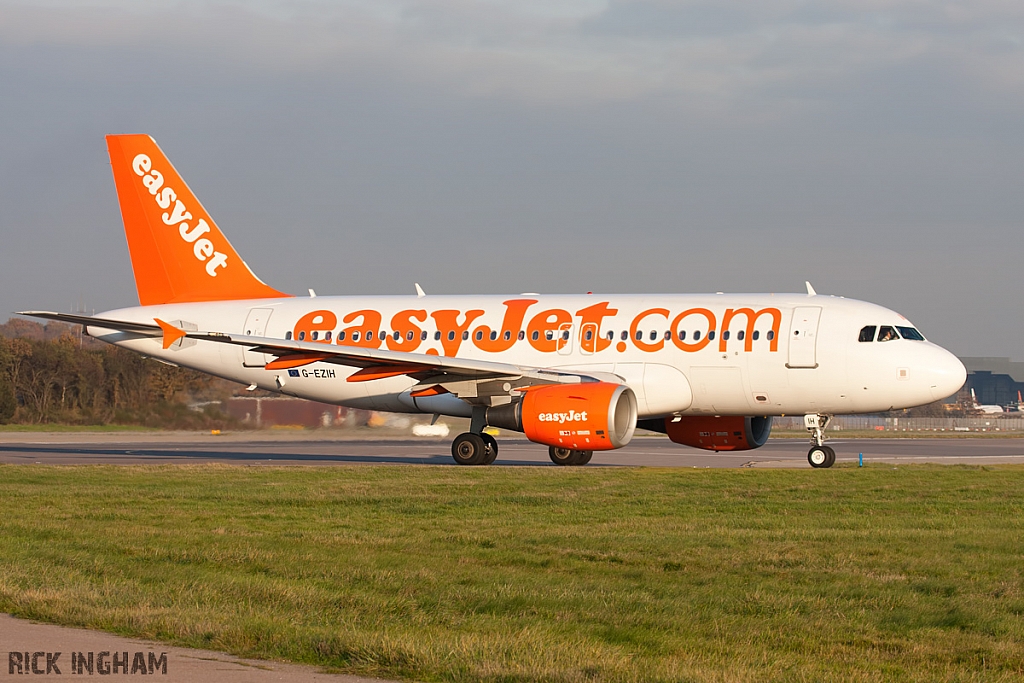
799,354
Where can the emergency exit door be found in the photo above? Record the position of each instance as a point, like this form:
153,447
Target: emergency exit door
803,337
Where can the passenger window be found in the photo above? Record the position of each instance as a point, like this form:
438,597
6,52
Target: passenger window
565,335
437,335
341,336
423,335
589,335
741,334
696,335
451,335
639,335
479,335
668,335
508,335
756,335
410,336
711,335
327,337
465,335
302,336
625,335
494,335
549,335
770,335
611,335
535,335
383,334
398,335
355,336
654,335
522,335
725,335
682,335
867,333
315,335
288,335
887,333
910,333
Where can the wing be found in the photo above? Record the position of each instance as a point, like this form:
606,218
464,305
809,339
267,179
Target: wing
461,376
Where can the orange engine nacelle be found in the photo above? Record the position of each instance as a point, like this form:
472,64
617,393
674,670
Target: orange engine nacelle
593,416
725,433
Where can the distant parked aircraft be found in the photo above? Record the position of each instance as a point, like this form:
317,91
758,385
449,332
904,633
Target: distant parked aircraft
987,409
575,373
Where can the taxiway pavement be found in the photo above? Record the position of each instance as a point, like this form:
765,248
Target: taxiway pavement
325,449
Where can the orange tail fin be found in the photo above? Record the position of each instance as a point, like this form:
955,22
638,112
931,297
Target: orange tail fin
178,253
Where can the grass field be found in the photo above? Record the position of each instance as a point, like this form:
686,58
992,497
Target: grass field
50,427
536,574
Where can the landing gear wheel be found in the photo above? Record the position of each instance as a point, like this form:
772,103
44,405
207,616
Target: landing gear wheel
561,456
821,456
469,449
492,448
568,457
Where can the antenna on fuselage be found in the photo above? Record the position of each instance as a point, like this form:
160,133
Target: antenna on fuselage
810,290
419,291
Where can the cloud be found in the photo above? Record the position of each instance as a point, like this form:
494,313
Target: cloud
511,146
708,58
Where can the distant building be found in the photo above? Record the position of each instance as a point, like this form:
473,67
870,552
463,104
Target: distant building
996,381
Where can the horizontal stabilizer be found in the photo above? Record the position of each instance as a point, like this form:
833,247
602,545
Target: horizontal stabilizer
91,321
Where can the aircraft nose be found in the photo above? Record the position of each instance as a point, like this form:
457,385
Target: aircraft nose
946,374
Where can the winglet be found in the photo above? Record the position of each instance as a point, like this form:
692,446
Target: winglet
171,333
810,290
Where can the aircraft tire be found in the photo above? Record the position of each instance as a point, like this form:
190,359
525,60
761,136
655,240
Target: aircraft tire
819,457
569,458
469,449
583,457
492,448
562,456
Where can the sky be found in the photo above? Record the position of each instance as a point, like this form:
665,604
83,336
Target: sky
872,147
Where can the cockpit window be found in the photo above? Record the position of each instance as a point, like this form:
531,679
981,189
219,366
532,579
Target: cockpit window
867,333
887,333
910,333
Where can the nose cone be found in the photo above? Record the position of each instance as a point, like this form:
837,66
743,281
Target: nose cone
946,374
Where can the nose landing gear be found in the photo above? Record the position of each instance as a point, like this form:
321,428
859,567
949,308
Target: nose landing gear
820,455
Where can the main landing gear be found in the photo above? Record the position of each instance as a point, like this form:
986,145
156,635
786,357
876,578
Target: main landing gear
475,447
820,455
568,457
482,449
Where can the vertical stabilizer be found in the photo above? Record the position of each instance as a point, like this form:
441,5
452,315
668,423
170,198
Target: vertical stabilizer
178,253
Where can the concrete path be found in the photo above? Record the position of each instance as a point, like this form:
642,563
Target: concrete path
47,649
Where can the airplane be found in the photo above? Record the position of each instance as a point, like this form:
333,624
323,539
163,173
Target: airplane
985,409
575,373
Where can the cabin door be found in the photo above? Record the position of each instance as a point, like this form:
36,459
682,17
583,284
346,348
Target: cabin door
803,337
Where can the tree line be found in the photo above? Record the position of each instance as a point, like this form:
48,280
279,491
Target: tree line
53,374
